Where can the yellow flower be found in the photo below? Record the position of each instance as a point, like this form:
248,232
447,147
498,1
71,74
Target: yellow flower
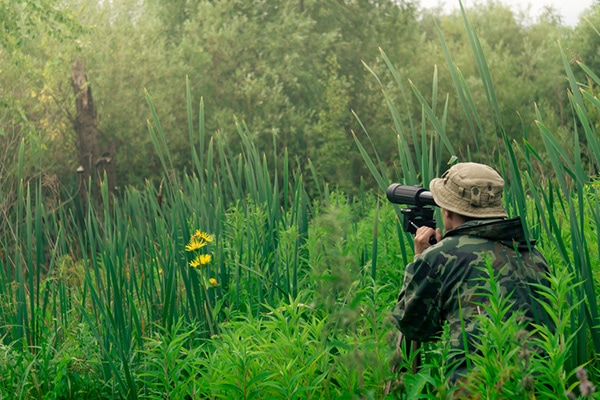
195,263
205,236
198,240
202,236
213,282
205,258
195,244
201,259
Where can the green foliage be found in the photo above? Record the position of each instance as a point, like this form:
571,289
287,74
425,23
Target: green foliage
144,316
23,21
65,365
33,38
293,352
101,301
171,363
125,54
284,354
291,70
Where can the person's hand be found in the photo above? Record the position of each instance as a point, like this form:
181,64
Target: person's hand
422,237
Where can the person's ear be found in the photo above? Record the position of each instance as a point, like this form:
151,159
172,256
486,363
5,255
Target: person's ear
447,213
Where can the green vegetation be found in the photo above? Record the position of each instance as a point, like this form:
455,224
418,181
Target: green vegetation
254,255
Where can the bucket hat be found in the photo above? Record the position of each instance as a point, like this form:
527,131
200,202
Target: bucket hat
470,189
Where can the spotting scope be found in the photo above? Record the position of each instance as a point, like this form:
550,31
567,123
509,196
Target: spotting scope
420,214
412,195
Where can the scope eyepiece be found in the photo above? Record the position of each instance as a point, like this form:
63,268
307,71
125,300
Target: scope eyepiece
414,195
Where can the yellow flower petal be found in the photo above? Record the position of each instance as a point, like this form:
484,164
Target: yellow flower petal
206,237
195,244
201,259
205,258
213,282
195,263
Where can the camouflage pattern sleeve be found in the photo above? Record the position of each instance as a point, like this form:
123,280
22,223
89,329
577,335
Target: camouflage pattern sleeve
417,313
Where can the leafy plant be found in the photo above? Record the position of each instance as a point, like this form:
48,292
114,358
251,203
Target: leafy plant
172,361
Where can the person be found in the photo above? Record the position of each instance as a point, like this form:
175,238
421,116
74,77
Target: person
441,284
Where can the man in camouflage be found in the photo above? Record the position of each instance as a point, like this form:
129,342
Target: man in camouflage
443,283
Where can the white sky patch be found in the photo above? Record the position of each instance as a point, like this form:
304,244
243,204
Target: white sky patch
570,10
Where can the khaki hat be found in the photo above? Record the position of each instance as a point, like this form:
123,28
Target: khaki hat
470,189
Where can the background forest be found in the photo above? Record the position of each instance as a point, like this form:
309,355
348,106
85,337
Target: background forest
293,70
191,193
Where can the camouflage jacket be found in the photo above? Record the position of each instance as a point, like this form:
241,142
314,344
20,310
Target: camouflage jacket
444,282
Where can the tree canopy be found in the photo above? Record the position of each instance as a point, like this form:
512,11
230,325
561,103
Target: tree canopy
297,71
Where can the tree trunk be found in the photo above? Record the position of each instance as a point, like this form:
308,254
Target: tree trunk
93,163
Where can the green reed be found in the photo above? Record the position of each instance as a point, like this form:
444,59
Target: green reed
138,274
119,265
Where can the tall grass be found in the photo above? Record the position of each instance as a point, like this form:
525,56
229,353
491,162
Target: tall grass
128,254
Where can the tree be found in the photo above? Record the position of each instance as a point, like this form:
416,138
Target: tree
31,34
294,69
125,54
94,163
